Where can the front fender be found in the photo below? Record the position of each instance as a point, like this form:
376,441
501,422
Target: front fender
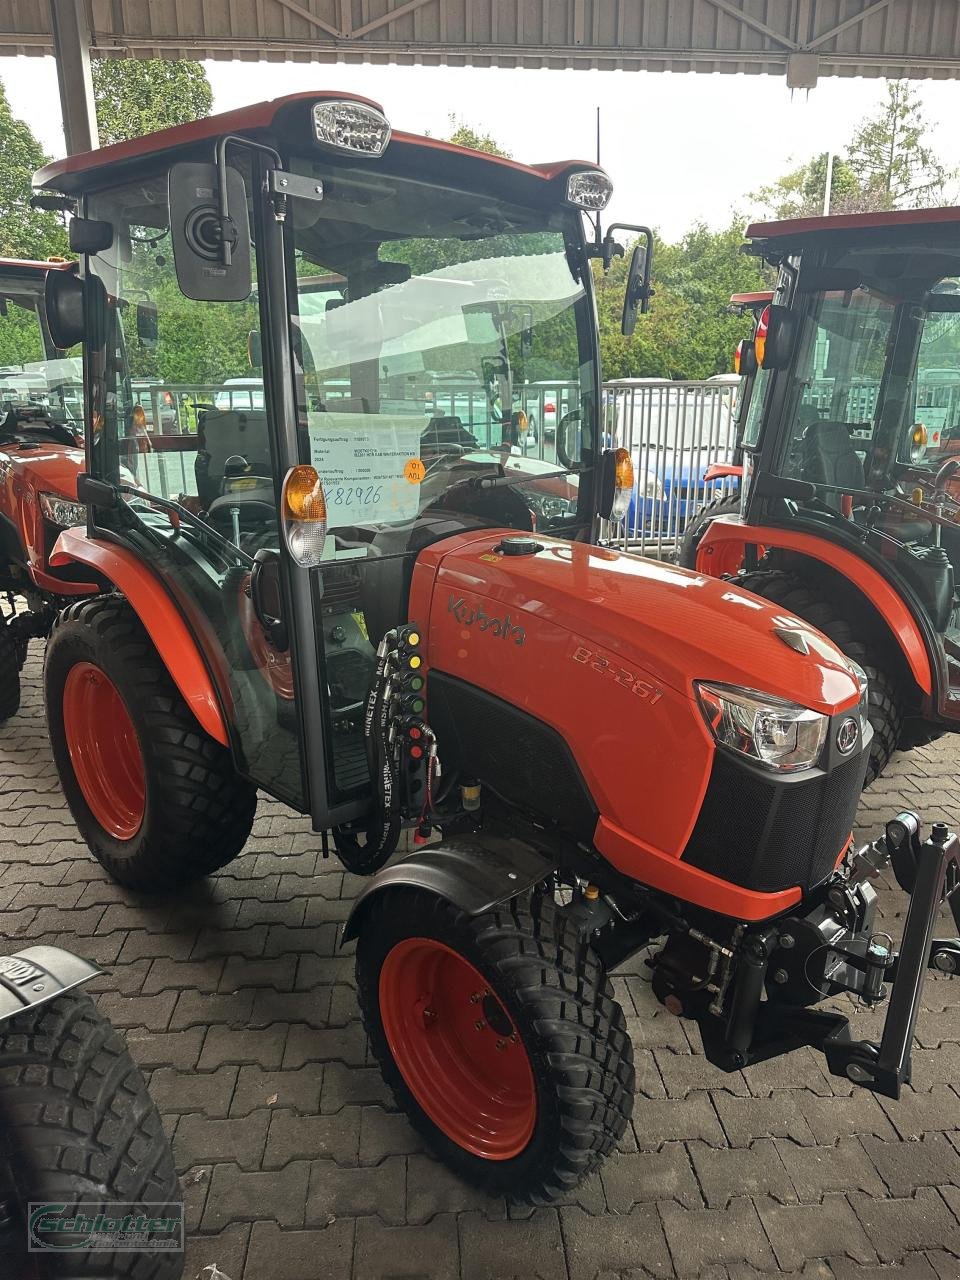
470,874
39,974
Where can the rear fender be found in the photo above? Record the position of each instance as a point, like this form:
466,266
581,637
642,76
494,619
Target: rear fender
724,544
466,873
39,974
721,470
151,602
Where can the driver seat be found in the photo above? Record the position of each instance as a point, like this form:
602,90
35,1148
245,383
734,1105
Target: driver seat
829,458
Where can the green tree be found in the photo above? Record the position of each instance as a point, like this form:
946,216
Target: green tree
135,96
799,193
24,232
892,157
464,135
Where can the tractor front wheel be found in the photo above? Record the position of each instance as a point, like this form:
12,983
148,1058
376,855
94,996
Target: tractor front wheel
157,800
885,698
499,1036
10,665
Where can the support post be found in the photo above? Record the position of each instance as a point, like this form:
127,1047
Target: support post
71,45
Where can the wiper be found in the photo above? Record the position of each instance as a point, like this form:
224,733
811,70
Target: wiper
230,549
504,480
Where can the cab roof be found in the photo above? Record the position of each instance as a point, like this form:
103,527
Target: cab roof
75,173
893,219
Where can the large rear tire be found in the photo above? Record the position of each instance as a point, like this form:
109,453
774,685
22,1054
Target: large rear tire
10,665
886,696
77,1125
724,504
499,1036
157,800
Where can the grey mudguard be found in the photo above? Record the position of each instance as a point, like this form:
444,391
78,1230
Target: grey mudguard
37,975
471,874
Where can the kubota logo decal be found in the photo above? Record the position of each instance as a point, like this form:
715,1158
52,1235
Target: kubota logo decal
469,615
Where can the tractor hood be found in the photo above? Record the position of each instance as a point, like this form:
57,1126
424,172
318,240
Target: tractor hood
673,625
44,467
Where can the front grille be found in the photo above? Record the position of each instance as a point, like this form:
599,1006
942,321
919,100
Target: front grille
769,833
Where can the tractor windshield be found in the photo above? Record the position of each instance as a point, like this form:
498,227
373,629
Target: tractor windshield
34,375
437,325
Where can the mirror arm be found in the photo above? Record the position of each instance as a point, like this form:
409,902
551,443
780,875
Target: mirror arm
228,231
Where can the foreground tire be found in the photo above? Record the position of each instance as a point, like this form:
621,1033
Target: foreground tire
724,504
157,800
499,1036
9,672
886,699
78,1125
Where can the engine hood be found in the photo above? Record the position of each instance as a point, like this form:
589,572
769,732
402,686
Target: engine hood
677,626
46,467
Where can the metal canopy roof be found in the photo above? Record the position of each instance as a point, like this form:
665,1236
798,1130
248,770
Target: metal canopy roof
802,39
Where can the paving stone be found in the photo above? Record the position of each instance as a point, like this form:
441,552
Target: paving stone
914,1114
311,1008
209,1092
335,1191
386,1133
428,1252
275,1254
833,1118
202,1009
802,1231
933,1161
238,1141
227,1249
246,1197
297,1089
922,1221
512,1250
726,1173
622,1242
746,1119
179,1049
684,1073
675,1119
329,1044
278,972
650,1176
915,1266
345,1087
433,1189
297,1137
224,1044
230,942
845,1167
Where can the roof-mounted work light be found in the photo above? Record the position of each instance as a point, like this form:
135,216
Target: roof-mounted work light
589,189
351,126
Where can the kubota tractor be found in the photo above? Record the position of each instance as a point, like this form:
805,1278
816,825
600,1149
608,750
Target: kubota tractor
41,454
726,501
848,516
346,594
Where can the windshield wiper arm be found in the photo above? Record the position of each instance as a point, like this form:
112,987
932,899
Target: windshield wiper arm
165,504
517,477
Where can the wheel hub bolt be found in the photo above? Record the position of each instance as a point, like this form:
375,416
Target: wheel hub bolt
780,976
429,1016
480,1024
501,1044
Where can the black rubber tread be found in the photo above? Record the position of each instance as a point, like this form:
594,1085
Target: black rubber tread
723,504
199,810
561,1002
886,701
78,1124
10,665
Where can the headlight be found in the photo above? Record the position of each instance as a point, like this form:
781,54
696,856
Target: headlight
652,488
61,511
351,126
774,733
589,189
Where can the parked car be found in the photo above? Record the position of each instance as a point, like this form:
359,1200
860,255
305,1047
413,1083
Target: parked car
240,393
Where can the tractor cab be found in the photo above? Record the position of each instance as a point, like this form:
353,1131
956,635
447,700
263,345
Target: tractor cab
852,434
348,319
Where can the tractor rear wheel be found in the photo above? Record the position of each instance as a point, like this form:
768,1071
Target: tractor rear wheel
157,800
885,698
78,1127
10,665
724,504
499,1036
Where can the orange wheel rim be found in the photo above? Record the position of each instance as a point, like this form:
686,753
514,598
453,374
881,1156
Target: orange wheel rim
457,1049
104,750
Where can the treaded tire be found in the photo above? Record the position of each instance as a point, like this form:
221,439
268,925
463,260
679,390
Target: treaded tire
724,504
885,697
77,1124
10,665
557,995
198,811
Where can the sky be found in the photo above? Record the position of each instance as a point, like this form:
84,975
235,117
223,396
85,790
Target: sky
680,149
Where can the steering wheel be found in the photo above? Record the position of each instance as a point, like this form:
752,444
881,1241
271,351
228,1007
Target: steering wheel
944,473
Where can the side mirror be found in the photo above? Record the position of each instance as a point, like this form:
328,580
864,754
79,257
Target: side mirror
775,337
148,330
211,247
638,293
254,349
63,306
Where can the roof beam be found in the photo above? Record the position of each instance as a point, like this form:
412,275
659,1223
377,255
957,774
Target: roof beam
746,20
845,26
386,18
307,16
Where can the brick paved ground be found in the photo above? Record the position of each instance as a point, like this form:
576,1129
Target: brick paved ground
237,1002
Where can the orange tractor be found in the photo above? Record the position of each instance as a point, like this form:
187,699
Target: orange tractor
393,622
849,504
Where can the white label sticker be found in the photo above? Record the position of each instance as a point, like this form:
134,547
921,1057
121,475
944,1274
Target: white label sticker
364,462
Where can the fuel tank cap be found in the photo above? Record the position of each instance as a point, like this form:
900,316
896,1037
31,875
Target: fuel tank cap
519,546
